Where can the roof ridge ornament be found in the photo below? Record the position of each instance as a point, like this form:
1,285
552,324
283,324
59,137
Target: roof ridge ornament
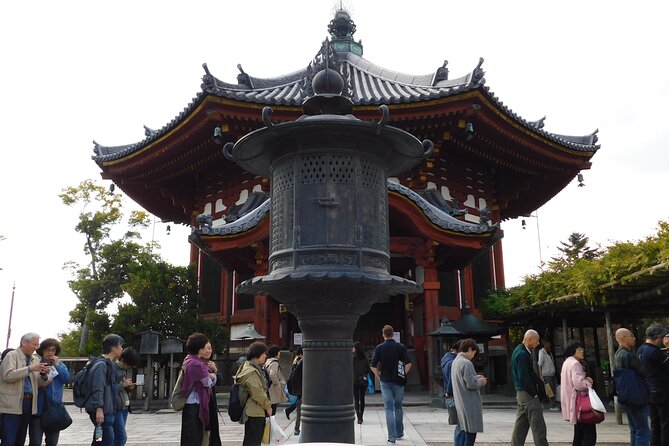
478,73
441,74
208,80
243,78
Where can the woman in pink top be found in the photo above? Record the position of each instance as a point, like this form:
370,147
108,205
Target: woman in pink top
573,380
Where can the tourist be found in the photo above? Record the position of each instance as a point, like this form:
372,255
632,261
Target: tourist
276,380
58,376
214,432
295,388
467,393
572,381
196,387
626,358
530,413
19,384
656,364
253,394
546,365
385,365
129,358
360,371
446,366
104,399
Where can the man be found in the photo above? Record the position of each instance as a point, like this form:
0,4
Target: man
19,381
547,371
129,358
626,358
385,365
104,398
656,364
446,366
530,413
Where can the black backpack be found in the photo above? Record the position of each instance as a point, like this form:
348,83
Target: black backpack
235,407
81,385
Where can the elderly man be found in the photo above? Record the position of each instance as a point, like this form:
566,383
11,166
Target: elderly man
530,413
626,358
19,381
656,364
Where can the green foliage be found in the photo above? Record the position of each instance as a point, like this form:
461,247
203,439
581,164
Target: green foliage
165,299
581,270
70,341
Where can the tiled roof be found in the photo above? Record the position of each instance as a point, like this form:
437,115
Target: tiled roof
366,84
437,216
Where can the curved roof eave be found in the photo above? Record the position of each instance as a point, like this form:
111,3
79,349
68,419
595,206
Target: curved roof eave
369,84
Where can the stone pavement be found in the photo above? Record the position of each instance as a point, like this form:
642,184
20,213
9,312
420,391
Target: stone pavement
423,426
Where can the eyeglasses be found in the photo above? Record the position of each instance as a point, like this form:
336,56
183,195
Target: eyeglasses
580,349
50,349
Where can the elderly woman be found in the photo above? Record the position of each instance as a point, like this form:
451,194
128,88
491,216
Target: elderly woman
467,393
573,380
59,375
277,382
196,387
253,394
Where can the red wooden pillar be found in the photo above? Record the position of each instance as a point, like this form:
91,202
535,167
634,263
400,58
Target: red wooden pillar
431,287
499,265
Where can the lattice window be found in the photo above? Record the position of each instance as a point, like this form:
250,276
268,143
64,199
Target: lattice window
370,175
312,169
341,169
283,177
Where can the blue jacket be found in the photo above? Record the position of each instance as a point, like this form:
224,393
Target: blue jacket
656,364
446,364
55,389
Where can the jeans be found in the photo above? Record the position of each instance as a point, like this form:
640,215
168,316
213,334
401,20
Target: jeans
393,394
120,435
36,432
530,414
638,422
463,438
107,430
16,426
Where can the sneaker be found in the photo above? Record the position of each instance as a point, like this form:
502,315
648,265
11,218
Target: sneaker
555,409
296,433
287,413
391,442
399,437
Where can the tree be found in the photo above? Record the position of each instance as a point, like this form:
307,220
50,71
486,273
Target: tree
164,298
576,248
100,282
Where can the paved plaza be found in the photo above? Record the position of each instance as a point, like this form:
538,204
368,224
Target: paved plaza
423,426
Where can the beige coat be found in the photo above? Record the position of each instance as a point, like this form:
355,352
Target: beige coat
12,373
252,391
277,382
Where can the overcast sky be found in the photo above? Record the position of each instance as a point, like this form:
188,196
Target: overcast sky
77,71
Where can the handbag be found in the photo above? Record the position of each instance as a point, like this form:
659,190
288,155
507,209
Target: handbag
178,402
54,416
549,390
362,380
370,385
584,411
452,411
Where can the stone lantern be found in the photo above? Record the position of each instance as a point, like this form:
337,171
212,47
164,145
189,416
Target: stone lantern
329,245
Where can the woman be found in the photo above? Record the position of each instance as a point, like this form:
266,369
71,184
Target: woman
360,371
253,394
214,432
277,382
196,390
467,393
573,380
48,350
129,358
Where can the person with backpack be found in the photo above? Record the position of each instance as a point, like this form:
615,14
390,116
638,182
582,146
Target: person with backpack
253,394
275,379
627,362
196,389
129,358
104,398
391,364
290,384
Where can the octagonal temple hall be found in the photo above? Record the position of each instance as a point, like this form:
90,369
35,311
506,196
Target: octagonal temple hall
488,165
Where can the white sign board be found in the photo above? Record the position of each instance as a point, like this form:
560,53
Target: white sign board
297,338
396,336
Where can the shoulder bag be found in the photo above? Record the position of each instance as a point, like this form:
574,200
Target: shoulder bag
54,416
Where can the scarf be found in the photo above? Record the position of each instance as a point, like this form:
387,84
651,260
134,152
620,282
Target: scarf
195,369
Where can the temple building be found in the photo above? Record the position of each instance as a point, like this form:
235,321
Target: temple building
488,165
